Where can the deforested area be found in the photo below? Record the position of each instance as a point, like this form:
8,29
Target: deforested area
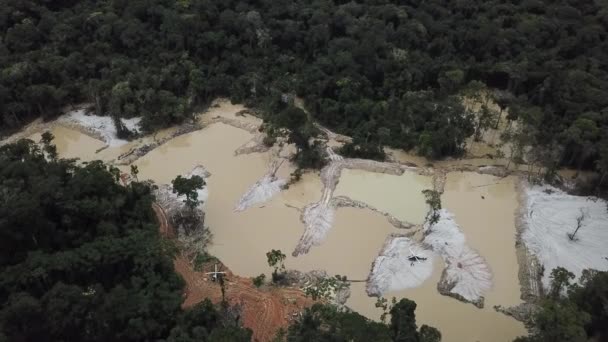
325,170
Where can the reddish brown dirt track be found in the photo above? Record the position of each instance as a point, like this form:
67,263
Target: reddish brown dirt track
264,310
165,229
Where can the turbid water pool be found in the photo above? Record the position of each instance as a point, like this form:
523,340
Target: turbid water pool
400,196
241,239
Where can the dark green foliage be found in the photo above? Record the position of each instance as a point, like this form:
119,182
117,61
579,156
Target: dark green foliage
297,126
46,139
581,315
433,199
81,258
326,288
204,323
403,321
560,321
363,150
362,67
259,280
326,323
188,187
310,157
429,334
591,296
276,260
560,281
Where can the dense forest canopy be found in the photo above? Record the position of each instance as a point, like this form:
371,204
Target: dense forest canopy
574,312
81,258
384,71
324,323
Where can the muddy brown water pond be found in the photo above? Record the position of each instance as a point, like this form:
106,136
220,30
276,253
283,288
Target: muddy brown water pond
485,206
241,240
489,225
73,144
400,196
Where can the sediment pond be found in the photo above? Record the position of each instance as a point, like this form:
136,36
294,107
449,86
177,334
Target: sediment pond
241,239
485,206
71,143
400,196
489,225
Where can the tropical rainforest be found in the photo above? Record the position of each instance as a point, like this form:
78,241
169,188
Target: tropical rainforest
572,311
81,258
385,72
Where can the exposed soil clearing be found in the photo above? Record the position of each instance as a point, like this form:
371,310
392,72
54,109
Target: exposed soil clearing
263,310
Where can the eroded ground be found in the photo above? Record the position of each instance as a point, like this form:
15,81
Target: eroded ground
227,145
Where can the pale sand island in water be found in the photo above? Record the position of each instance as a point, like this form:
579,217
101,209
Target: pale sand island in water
241,239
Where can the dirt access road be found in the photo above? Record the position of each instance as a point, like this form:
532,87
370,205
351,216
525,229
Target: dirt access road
263,310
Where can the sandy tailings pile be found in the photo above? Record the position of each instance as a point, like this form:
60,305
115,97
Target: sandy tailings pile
264,189
551,215
318,217
467,276
99,126
402,264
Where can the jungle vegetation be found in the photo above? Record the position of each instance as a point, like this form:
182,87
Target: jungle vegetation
572,311
385,72
81,258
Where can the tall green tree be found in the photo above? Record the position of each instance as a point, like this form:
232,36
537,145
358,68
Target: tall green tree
572,312
188,187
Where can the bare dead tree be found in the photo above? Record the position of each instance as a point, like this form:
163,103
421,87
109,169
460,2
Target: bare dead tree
579,223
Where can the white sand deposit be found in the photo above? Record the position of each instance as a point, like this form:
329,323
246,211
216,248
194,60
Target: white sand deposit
551,215
101,125
262,191
394,269
467,273
265,188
